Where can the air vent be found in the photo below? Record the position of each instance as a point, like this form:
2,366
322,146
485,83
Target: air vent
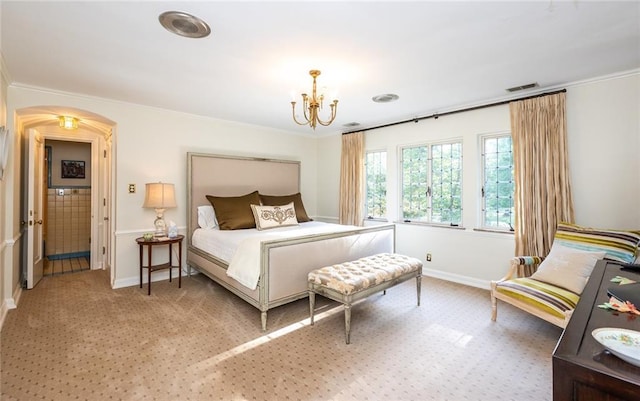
386,98
351,124
523,87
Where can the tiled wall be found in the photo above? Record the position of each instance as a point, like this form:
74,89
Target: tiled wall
68,221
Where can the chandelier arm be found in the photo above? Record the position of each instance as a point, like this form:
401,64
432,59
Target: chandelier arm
293,108
334,110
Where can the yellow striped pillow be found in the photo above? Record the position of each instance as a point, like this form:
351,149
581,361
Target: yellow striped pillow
618,245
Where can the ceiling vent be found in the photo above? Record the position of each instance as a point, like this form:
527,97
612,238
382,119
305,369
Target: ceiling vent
351,125
184,24
523,87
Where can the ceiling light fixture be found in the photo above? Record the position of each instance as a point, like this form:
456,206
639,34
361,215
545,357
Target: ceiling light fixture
68,122
184,24
310,106
386,98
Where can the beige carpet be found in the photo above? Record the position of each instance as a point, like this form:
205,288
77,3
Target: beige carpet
74,338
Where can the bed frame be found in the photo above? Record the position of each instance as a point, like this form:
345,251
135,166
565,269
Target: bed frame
285,263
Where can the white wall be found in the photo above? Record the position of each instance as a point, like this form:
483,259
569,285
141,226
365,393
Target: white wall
6,240
151,145
603,126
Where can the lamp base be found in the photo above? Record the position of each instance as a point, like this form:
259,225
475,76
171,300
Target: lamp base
159,223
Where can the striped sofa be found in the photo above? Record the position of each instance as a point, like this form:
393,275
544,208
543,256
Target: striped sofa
552,302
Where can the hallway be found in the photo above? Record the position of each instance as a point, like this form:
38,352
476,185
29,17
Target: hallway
62,266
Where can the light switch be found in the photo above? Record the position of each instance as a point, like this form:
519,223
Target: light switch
132,188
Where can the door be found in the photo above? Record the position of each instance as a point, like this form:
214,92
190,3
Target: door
35,256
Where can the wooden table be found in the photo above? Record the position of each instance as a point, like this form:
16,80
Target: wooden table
151,267
582,368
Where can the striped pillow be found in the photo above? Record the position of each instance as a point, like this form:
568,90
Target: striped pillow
618,245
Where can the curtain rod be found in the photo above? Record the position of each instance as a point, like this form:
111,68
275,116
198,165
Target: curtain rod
436,115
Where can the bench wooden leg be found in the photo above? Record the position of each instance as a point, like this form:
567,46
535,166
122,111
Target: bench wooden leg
312,305
263,319
418,285
347,322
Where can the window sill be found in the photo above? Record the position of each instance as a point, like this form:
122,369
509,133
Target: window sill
488,230
426,224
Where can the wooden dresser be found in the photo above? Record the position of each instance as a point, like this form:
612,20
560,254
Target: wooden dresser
582,369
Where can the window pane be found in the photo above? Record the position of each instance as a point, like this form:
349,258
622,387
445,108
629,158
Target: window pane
498,183
376,184
446,181
414,183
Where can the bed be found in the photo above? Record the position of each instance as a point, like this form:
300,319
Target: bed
282,257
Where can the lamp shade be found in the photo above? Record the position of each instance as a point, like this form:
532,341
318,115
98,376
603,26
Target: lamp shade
159,195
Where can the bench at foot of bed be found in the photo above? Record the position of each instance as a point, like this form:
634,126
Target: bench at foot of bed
352,281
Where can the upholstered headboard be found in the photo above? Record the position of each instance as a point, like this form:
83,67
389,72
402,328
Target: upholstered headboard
234,176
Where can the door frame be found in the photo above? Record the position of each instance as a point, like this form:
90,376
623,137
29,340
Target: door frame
97,213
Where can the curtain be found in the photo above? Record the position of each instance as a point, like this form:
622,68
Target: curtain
541,169
351,179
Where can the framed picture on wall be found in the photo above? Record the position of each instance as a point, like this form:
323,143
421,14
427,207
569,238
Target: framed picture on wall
72,169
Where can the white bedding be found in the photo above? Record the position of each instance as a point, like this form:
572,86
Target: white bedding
241,248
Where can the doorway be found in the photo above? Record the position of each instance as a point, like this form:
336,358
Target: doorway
91,194
67,207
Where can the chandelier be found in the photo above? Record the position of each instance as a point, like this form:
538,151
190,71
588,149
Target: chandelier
310,106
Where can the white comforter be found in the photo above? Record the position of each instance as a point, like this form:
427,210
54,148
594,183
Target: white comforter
241,248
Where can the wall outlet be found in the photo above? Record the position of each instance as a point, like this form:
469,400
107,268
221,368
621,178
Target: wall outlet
132,188
428,257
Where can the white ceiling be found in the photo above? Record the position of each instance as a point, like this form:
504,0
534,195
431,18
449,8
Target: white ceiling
437,56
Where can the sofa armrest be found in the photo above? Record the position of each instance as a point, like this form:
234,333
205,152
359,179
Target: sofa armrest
524,266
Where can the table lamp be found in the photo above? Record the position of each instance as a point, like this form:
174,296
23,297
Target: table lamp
159,196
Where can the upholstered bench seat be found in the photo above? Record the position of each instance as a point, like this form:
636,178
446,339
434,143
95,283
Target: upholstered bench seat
547,298
351,281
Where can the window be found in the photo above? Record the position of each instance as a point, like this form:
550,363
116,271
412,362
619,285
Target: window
376,198
498,184
432,183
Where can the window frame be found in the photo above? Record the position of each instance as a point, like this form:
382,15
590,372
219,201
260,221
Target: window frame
429,182
367,216
482,198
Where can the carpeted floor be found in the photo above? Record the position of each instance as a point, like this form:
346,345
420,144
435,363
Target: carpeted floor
73,337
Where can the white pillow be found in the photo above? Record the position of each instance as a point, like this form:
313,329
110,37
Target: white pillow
207,217
274,216
568,268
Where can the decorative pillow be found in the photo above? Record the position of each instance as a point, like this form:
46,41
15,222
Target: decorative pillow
234,212
207,217
274,216
618,244
273,200
567,267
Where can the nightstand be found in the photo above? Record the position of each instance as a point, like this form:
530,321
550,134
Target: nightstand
151,267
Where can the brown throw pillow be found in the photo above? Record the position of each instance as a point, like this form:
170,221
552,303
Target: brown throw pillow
234,212
279,200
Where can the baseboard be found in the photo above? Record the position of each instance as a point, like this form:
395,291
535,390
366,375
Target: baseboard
8,304
457,278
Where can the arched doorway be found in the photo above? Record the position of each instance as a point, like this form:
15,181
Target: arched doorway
40,124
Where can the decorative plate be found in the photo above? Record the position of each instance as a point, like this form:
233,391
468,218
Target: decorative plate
623,343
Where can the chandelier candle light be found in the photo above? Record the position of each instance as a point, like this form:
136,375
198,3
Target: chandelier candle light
310,106
159,196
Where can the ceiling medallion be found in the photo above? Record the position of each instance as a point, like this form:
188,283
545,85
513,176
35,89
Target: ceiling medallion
184,24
